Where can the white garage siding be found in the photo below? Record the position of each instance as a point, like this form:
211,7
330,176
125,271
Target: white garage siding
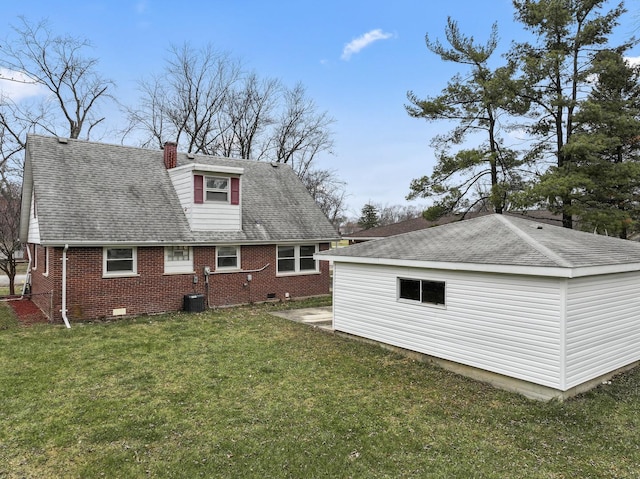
500,323
603,325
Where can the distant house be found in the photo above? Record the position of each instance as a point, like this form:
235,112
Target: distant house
419,223
535,308
113,230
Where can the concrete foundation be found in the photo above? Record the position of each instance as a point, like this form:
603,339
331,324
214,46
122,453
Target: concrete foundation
526,388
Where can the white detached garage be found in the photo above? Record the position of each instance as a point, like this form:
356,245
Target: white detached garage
535,308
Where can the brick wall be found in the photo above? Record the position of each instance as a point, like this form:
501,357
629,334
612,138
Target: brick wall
233,288
90,296
43,283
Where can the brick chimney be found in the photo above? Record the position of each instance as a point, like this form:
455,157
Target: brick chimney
170,155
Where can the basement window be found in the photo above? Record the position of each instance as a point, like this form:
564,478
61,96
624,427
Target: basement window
120,261
421,291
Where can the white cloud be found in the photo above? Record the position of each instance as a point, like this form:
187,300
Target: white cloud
17,86
357,44
633,60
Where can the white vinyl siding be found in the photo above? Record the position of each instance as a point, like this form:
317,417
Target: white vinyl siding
501,323
33,235
208,216
603,325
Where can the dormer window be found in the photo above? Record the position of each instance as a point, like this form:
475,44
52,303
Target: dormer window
217,188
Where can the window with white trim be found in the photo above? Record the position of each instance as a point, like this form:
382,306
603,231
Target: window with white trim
421,291
216,189
228,257
178,259
120,261
297,259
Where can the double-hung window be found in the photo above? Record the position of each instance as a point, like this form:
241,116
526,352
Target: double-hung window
297,259
227,257
421,291
120,261
216,189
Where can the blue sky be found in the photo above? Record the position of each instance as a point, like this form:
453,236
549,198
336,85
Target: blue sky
357,60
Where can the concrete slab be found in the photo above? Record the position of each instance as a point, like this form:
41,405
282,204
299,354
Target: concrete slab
321,317
19,280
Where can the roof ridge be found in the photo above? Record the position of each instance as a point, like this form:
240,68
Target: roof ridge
533,242
156,151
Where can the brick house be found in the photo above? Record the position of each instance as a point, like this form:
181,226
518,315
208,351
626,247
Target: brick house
120,231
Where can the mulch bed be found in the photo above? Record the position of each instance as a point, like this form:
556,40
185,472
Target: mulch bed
27,312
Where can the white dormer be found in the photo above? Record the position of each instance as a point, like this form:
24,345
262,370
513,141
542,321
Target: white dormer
210,195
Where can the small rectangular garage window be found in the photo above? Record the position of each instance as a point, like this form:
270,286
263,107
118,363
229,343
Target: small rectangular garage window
422,291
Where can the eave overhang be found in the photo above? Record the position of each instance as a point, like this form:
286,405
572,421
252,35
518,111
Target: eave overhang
526,270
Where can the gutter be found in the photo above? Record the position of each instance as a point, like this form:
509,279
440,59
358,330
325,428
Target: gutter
64,287
235,242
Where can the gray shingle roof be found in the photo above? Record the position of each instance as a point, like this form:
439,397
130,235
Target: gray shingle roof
499,240
90,192
420,223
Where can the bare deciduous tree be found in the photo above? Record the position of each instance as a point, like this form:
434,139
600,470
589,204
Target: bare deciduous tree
207,104
389,214
15,122
71,91
186,102
148,117
329,193
9,229
250,112
301,132
36,55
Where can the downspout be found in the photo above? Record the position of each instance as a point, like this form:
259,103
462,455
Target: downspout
28,274
64,287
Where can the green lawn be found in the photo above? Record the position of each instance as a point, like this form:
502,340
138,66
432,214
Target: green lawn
241,393
8,318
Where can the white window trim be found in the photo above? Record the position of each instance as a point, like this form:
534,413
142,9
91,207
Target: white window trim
119,274
227,190
229,268
420,302
296,256
46,261
178,267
